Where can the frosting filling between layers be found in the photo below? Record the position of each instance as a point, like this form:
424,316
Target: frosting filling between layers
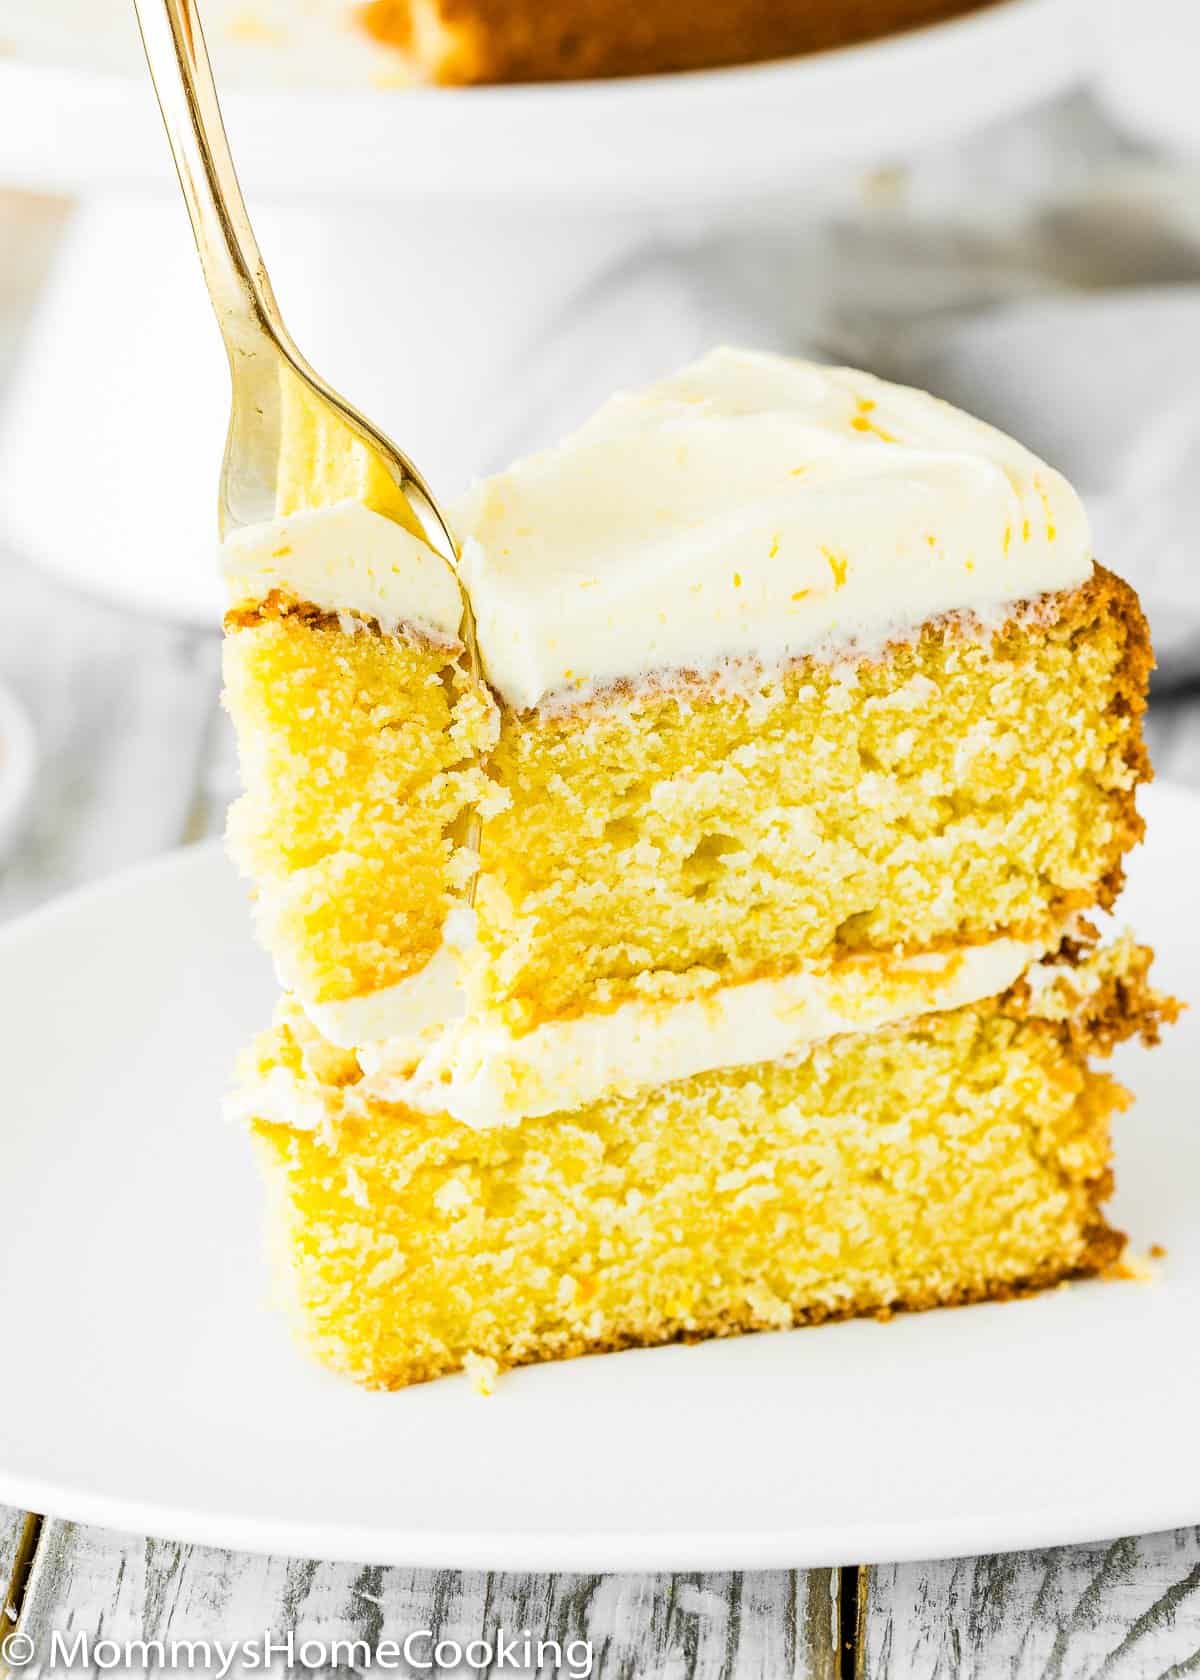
483,1075
403,1015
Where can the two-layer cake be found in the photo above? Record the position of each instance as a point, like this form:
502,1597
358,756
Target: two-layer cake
810,736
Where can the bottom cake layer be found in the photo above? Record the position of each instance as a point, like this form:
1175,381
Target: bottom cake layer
955,1158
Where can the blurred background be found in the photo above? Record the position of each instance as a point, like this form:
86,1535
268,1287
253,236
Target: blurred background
1005,210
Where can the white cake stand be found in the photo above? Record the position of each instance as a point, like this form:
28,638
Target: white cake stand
475,267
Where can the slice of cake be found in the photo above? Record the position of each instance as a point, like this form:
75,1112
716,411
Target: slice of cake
810,735
464,41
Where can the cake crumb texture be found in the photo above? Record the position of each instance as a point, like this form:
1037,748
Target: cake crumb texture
359,759
666,838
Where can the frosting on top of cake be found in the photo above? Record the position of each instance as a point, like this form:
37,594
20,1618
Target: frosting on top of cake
750,507
345,558
754,507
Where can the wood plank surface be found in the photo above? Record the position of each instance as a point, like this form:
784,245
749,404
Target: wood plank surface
773,1625
1125,1611
13,1527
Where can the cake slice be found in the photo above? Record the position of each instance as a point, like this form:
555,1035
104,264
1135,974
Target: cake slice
809,736
465,41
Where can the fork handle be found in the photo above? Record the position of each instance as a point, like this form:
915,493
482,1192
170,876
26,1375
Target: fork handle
241,294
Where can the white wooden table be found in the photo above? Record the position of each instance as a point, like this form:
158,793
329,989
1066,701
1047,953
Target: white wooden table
135,758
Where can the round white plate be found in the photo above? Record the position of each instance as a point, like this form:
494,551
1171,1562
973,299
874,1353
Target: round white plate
148,1387
84,118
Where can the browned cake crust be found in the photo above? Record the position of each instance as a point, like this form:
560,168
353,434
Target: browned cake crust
278,606
1101,1257
1114,607
530,41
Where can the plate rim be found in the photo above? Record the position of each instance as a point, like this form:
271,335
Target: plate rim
548,1551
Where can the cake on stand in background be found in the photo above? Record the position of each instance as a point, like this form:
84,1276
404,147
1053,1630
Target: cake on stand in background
477,267
466,41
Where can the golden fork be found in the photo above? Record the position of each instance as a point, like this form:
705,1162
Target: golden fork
273,385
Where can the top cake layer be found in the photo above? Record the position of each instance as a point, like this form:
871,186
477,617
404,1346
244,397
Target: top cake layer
749,507
815,705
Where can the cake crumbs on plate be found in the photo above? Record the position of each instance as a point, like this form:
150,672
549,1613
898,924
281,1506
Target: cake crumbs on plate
481,1371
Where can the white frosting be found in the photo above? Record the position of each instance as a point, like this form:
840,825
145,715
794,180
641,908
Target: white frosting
754,507
428,998
749,507
279,1096
345,558
403,1014
483,1076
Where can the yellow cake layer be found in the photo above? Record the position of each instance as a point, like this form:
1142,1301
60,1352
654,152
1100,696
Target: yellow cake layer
953,1159
654,842
359,757
962,786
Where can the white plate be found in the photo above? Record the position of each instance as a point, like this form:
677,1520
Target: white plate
652,141
147,1387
